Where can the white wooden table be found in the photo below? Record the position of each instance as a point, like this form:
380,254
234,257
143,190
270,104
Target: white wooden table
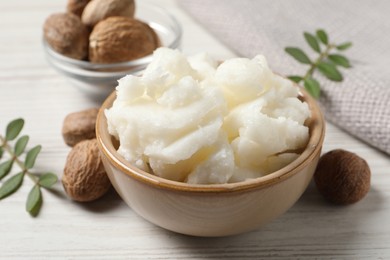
108,228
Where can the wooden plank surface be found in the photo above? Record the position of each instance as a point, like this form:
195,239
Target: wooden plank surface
108,229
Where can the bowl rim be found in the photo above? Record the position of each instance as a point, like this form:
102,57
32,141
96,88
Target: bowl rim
316,132
82,64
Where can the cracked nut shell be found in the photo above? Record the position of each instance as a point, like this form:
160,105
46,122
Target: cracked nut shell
98,10
84,176
76,6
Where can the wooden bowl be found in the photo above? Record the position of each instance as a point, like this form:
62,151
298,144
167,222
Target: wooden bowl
217,209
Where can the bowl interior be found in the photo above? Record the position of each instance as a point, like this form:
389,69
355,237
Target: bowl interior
315,123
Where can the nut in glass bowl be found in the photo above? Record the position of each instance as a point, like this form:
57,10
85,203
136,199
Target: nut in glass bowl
98,80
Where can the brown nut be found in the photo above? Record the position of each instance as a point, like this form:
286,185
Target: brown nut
84,176
79,126
119,39
76,6
342,177
98,10
66,34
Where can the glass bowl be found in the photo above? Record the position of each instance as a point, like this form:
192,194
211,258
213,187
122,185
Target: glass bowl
98,80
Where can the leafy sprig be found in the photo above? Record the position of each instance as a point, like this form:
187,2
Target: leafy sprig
327,62
13,183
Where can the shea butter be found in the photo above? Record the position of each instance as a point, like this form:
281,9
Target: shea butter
191,119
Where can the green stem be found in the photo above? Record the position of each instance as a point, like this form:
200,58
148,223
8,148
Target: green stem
314,65
6,147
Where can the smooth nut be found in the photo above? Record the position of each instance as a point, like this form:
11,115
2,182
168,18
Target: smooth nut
79,126
66,34
120,39
342,177
84,176
76,6
98,10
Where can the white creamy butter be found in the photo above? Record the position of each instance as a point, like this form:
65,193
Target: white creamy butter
188,119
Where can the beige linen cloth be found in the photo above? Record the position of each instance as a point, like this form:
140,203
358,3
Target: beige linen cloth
360,104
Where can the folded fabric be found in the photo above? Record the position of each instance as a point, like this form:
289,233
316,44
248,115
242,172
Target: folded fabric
361,103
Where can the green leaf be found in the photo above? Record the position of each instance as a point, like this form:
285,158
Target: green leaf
340,60
330,71
1,152
321,34
34,201
34,211
295,78
11,185
344,46
298,54
313,87
47,180
13,129
32,156
312,41
5,168
21,145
